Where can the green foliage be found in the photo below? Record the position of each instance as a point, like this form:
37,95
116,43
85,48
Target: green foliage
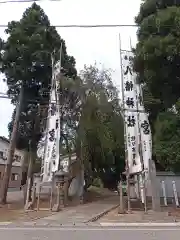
167,139
97,182
90,111
26,62
101,125
157,62
157,52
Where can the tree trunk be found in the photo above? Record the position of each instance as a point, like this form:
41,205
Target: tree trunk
32,151
7,171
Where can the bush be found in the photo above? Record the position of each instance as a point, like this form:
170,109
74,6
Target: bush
97,182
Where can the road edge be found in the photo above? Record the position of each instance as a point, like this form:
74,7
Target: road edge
140,224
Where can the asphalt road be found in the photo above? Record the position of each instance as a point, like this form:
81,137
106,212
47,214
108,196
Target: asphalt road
89,233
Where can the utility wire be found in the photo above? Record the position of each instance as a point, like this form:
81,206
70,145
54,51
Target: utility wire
84,26
26,1
6,97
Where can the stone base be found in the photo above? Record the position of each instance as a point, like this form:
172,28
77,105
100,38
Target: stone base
29,206
55,208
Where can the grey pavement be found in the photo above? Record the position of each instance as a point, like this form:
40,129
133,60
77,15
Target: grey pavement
81,213
89,233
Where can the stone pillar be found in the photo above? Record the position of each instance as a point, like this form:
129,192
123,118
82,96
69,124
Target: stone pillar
59,180
66,185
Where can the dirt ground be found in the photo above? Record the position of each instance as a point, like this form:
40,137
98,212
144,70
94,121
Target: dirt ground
14,209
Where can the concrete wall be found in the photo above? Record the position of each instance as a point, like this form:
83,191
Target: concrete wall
16,175
18,155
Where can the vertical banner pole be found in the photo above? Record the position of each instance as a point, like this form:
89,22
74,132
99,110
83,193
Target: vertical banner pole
121,200
140,152
44,171
125,143
140,142
59,103
57,94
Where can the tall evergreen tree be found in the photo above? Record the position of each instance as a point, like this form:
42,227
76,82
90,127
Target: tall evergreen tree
157,62
157,53
26,61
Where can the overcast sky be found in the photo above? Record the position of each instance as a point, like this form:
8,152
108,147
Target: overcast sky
86,45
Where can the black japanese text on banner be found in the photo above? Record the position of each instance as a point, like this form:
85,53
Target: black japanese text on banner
145,130
50,144
130,114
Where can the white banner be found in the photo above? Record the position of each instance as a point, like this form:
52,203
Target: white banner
136,119
50,144
131,117
50,152
145,129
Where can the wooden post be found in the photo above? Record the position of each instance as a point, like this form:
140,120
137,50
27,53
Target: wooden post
34,195
145,192
51,195
128,193
29,178
38,200
121,199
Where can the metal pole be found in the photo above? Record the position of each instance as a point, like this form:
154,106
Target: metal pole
12,145
125,144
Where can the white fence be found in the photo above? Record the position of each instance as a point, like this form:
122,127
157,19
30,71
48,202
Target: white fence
168,179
